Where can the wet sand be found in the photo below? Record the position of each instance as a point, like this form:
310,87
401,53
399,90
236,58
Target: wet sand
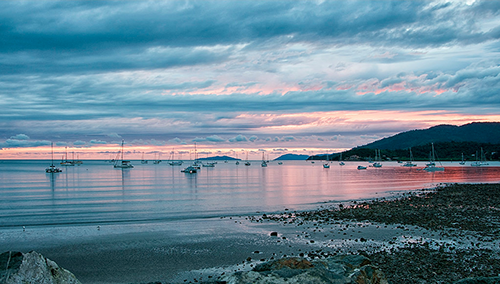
430,236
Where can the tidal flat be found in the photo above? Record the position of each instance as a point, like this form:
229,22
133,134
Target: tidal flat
439,235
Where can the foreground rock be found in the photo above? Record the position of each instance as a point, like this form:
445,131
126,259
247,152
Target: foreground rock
32,267
336,269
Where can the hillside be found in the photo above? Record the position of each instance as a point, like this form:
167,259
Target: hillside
218,158
480,132
292,157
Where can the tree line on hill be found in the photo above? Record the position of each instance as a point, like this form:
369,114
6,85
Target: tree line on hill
445,151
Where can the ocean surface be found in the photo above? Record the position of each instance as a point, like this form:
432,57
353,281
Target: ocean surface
97,194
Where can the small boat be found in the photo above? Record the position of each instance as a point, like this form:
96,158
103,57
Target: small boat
196,165
65,162
52,169
340,160
209,165
410,162
361,168
174,162
481,162
143,161
264,163
247,163
463,161
280,163
122,163
190,170
157,160
378,157
431,166
326,165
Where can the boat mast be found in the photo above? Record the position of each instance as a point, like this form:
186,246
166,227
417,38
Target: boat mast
122,149
52,150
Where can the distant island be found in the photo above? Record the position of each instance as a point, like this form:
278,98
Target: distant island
219,158
292,157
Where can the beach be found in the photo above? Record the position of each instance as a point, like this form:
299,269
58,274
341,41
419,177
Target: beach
426,236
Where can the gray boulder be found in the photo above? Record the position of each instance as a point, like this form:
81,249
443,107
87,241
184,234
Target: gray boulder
333,270
32,267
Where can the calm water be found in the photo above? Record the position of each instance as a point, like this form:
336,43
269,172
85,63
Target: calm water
97,193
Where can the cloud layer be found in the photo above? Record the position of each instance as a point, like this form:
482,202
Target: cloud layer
225,71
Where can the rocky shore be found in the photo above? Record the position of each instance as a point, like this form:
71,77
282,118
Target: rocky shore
459,243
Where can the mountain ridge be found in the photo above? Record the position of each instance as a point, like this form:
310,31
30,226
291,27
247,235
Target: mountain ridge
481,132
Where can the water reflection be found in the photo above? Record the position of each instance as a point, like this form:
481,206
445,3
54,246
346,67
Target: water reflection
97,192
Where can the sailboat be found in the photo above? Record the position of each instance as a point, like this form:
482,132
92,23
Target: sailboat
52,169
247,163
122,163
340,160
481,162
463,160
65,161
410,163
264,163
173,162
78,161
143,161
431,166
378,157
326,165
196,163
157,160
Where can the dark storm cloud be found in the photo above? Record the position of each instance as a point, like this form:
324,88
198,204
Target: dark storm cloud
85,36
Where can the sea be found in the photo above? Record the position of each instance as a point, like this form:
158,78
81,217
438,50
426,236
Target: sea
95,194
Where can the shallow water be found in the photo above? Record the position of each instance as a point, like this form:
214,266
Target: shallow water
95,193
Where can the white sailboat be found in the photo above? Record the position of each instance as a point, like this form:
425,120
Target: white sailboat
410,163
326,165
431,166
65,162
120,163
482,160
52,169
378,157
340,160
173,162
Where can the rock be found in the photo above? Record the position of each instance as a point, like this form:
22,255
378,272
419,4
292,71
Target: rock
335,269
479,280
32,267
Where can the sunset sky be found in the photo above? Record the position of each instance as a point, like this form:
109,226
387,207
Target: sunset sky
278,77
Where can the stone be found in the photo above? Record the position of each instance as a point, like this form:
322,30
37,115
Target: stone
479,280
32,267
335,270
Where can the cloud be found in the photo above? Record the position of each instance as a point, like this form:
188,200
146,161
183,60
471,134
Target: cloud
212,138
114,135
238,138
205,70
20,137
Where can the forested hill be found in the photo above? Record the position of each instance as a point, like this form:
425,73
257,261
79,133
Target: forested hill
480,132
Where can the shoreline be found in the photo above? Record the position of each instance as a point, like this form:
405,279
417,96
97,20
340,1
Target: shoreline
231,244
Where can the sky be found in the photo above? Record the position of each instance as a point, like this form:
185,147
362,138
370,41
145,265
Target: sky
237,77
